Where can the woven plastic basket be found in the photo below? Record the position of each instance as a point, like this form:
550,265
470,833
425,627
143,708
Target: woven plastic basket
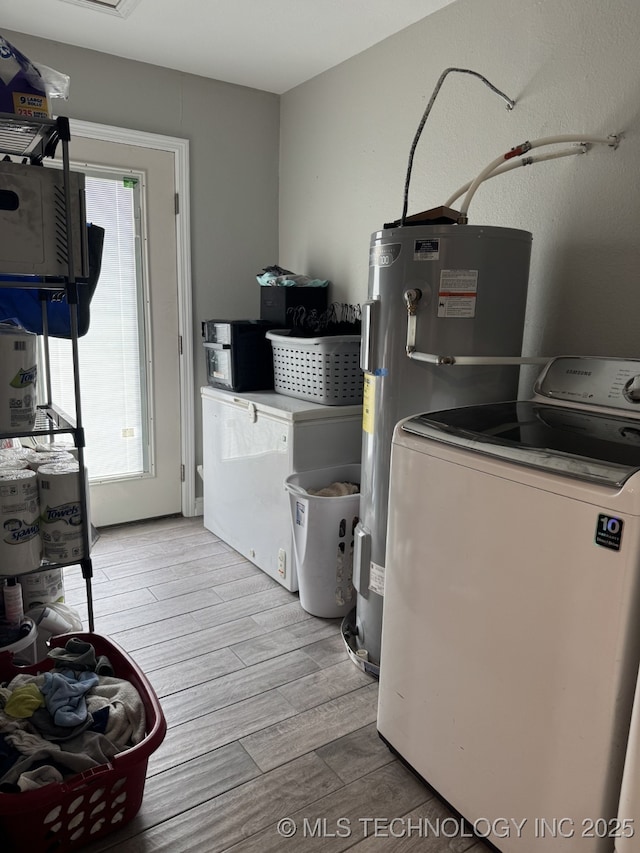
323,370
68,815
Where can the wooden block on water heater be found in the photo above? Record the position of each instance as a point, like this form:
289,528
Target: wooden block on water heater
436,216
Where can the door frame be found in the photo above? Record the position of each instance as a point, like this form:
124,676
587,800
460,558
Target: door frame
180,149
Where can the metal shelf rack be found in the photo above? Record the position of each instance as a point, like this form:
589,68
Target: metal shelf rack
33,139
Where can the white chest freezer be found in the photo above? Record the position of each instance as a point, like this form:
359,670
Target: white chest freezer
252,442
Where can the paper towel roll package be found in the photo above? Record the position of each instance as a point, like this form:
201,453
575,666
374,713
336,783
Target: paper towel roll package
39,458
18,454
20,544
13,464
56,447
61,518
18,373
42,588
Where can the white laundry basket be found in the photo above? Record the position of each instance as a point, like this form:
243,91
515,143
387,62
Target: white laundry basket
323,370
323,540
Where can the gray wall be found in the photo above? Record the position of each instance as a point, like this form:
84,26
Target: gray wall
233,136
344,141
572,66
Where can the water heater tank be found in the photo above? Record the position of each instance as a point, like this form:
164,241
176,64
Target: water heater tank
473,284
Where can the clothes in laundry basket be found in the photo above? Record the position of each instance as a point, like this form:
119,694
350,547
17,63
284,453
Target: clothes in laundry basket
64,693
335,490
88,718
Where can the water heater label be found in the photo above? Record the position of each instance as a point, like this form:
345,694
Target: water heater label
368,402
458,292
384,256
426,250
376,578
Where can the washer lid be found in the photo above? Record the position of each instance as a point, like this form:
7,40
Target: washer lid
584,445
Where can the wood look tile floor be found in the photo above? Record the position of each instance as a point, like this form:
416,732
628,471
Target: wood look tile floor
267,717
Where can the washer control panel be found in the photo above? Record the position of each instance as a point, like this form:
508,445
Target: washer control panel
610,382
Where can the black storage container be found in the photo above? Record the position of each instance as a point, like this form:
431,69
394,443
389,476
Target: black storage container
239,357
275,303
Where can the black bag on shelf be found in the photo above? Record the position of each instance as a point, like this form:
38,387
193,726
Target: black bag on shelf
24,305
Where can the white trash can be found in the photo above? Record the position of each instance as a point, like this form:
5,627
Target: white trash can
24,649
323,530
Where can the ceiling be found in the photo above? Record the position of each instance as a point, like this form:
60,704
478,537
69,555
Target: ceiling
271,45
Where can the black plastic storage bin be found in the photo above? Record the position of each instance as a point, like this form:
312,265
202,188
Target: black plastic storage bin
278,304
239,357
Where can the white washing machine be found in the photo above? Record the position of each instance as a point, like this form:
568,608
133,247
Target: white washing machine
511,628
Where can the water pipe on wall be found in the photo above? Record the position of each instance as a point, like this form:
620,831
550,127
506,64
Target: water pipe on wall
612,141
514,164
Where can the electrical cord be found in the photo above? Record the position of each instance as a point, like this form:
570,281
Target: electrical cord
510,105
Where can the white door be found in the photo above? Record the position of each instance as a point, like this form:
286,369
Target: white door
129,358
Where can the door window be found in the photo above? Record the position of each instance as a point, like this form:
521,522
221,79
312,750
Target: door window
113,352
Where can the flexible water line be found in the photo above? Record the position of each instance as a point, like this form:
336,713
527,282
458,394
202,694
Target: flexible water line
522,149
475,360
510,104
514,164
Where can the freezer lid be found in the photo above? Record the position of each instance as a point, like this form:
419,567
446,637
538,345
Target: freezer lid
280,406
583,445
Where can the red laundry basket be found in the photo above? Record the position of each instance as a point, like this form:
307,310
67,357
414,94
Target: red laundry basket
67,815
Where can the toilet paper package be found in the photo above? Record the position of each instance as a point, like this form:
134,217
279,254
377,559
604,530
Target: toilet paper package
26,87
20,544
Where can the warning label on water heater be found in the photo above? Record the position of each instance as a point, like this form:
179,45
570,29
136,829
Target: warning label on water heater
368,403
426,250
457,293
